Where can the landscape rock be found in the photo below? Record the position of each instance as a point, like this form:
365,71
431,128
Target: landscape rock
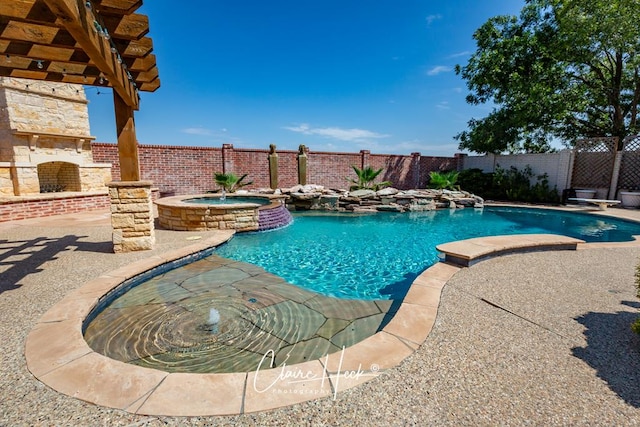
317,197
390,208
389,191
362,194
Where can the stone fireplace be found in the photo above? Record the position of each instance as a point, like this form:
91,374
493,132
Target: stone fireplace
45,143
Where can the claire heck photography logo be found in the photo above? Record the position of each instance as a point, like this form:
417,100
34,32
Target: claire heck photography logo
305,379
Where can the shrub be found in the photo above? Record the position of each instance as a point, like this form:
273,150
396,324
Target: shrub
509,185
230,181
444,180
477,182
366,178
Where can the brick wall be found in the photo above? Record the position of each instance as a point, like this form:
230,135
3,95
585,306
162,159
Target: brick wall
189,170
37,208
332,169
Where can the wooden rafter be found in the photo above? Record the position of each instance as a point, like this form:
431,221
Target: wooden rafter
59,40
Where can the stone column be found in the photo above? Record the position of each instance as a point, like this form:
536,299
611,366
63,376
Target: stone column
273,167
131,216
302,164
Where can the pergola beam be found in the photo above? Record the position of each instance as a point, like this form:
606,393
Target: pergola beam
80,22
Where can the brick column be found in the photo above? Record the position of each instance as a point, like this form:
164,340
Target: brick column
460,158
131,216
364,158
415,170
227,158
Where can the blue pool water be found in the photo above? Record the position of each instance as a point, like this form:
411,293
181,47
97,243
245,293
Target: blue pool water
230,200
378,256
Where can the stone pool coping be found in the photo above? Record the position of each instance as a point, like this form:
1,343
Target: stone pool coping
58,355
467,252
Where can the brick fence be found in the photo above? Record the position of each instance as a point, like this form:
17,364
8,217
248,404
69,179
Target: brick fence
189,170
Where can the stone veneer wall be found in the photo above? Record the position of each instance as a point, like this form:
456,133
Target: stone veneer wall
200,218
132,216
42,122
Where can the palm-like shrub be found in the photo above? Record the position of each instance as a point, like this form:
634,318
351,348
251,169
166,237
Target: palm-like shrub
230,182
444,180
366,178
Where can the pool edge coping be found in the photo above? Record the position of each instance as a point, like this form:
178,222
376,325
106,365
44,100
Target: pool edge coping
58,356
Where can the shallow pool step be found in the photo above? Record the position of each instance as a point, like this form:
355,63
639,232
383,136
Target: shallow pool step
468,252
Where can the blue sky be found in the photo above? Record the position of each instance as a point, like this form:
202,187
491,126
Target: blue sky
335,75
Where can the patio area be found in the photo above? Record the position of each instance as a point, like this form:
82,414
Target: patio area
538,338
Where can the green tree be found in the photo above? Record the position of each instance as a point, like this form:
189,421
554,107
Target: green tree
563,69
230,182
366,178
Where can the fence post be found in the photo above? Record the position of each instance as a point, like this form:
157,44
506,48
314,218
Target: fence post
615,174
302,165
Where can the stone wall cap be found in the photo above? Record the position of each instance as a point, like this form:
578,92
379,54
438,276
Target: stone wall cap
122,184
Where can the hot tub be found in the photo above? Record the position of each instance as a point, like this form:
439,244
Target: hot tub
246,212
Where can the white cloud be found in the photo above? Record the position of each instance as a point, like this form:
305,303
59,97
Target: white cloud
197,131
432,18
457,89
352,135
444,105
459,54
438,70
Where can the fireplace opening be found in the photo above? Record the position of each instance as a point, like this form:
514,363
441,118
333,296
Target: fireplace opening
58,176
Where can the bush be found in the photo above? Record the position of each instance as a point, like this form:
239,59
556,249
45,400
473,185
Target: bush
509,185
230,182
477,182
366,178
444,180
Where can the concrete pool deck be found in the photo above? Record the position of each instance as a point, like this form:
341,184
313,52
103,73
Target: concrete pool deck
46,259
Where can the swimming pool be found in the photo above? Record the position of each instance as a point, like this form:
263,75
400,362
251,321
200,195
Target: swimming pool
326,282
378,256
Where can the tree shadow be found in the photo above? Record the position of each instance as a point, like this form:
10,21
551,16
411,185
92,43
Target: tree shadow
396,291
633,304
400,171
20,258
613,350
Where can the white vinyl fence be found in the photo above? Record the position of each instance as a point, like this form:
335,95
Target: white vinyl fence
558,166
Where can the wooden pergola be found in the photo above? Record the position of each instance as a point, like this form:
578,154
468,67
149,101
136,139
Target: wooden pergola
94,42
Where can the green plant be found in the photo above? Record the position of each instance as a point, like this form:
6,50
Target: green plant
444,180
366,178
230,182
477,182
510,185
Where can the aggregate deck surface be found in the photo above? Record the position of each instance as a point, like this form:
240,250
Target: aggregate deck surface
536,338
